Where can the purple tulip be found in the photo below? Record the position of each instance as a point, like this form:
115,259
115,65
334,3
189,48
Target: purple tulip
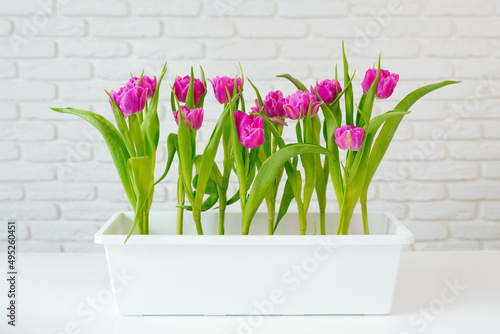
220,85
181,87
328,90
387,81
131,99
250,129
192,117
349,137
272,107
297,105
146,83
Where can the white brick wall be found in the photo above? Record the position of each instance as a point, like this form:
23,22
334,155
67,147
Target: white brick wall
441,176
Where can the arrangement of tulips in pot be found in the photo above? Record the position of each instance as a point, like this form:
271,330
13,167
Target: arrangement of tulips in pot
253,148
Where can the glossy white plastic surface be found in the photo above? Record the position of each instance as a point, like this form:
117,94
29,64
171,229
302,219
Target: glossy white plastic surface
284,274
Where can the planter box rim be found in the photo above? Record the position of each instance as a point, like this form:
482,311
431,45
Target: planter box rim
402,236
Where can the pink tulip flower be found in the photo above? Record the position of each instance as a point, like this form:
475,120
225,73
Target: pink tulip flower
297,105
250,129
272,107
328,90
181,87
349,137
221,83
192,117
387,81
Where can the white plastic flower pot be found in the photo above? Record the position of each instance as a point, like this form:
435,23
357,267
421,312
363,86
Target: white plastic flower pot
285,274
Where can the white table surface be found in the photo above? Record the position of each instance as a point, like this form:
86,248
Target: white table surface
56,292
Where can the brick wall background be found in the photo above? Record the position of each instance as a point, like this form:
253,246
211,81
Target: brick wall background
441,176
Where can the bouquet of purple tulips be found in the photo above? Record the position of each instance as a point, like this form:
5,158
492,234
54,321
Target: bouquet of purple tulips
252,145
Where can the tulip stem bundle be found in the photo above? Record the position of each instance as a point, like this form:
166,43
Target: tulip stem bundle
253,147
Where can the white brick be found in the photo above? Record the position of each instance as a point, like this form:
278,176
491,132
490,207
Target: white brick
416,151
63,231
125,28
471,107
31,48
474,191
82,247
427,111
442,211
391,171
255,8
456,48
9,111
458,8
5,27
449,245
418,28
84,91
311,9
444,171
8,70
396,191
478,28
405,132
56,70
397,209
491,245
28,211
78,131
166,8
60,152
242,50
94,7
484,150
267,70
94,49
11,192
491,170
198,28
88,172
120,70
418,70
428,231
60,192
385,9
41,111
26,131
39,247
169,49
27,91
271,28
392,49
9,152
481,69
490,211
26,172
475,230
92,211
28,7
312,49
115,193
22,232
449,130
52,26
491,130
355,28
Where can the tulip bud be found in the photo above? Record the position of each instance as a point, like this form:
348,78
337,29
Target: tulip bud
146,83
387,81
131,99
181,87
328,90
221,84
192,117
272,107
250,129
297,105
349,137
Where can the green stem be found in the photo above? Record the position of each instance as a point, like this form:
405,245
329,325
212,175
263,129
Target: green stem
364,213
271,211
180,202
322,218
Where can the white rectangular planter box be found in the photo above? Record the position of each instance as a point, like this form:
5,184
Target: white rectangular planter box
284,274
